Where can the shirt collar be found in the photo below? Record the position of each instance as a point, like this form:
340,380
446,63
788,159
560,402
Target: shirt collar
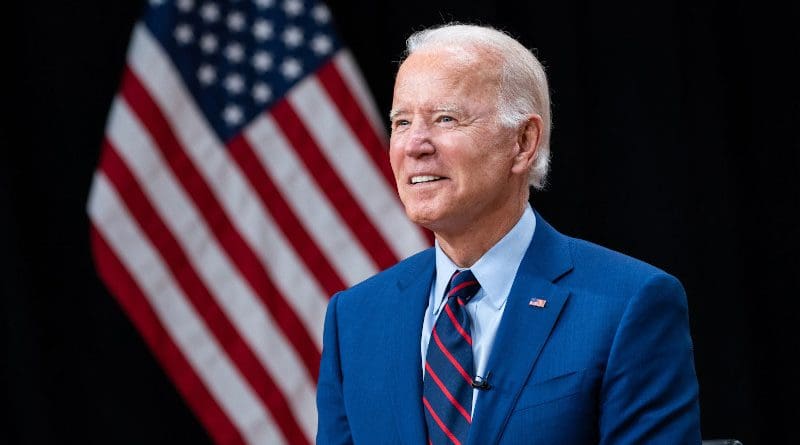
496,269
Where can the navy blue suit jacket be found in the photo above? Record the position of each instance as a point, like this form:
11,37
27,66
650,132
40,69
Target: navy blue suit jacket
607,360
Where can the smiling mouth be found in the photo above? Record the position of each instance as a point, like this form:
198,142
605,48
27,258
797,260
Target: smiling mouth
424,179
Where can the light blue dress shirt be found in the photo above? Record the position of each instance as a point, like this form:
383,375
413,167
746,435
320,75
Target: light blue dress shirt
495,271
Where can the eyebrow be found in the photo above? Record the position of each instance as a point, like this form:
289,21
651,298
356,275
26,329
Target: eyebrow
446,108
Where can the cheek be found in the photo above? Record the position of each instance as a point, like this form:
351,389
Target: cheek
488,173
395,155
500,156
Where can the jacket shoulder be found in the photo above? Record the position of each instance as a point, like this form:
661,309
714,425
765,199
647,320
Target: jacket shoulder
590,253
599,269
602,268
414,264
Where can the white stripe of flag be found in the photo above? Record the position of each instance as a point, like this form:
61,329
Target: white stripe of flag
178,317
242,294
233,294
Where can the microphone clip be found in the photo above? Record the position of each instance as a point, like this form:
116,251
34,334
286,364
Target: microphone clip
481,383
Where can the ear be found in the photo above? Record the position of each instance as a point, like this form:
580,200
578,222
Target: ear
528,136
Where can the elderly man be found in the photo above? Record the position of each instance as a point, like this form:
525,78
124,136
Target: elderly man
506,332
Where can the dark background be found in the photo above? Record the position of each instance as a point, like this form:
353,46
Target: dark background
675,141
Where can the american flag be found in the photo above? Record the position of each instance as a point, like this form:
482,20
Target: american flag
243,180
537,302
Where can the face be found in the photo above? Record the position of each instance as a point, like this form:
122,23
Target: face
455,165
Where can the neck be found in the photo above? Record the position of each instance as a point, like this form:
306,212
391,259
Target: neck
467,246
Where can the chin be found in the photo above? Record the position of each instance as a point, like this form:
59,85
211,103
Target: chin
435,222
424,217
420,218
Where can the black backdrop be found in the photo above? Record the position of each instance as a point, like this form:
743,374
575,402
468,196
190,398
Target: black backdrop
676,141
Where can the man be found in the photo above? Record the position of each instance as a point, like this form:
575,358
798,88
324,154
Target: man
506,331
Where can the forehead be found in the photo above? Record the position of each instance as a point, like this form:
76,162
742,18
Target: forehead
444,75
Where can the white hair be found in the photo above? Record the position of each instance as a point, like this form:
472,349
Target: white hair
523,83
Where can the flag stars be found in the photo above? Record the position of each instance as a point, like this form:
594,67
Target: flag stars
232,115
321,14
234,52
321,44
291,68
184,5
293,8
262,61
184,34
234,83
292,36
206,74
262,30
210,12
262,93
235,21
250,74
209,43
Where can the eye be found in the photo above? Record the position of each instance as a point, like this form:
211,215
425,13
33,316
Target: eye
446,120
397,123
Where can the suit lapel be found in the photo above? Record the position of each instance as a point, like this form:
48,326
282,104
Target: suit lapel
402,341
523,331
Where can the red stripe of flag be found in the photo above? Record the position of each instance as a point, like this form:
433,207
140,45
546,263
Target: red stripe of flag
351,111
337,89
223,229
134,302
288,222
323,173
181,268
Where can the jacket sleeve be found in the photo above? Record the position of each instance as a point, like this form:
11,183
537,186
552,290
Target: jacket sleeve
649,392
333,427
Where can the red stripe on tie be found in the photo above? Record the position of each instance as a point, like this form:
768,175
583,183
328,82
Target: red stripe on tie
458,326
461,286
451,358
447,394
439,422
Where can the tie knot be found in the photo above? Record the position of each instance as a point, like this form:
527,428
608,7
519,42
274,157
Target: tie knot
463,285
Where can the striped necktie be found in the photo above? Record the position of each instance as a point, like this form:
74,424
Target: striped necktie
449,369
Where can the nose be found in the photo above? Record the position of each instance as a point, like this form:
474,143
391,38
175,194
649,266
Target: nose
418,141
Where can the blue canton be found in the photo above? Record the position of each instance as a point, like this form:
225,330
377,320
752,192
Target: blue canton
239,57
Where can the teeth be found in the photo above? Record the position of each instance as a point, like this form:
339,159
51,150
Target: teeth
418,179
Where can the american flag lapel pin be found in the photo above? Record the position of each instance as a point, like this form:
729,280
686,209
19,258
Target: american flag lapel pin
537,302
